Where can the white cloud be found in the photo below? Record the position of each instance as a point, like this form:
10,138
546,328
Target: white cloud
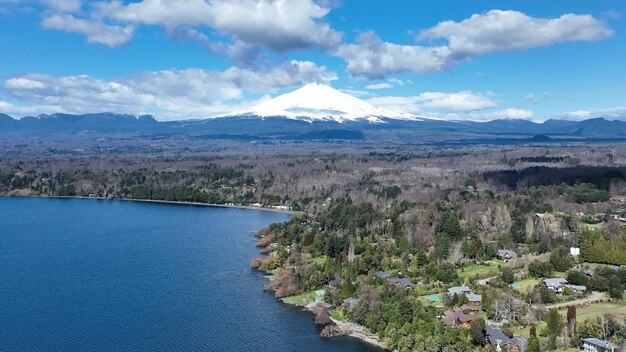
169,94
95,30
373,58
481,34
63,5
275,24
436,102
503,31
379,86
615,113
510,113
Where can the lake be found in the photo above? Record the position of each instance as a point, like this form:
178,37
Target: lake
94,275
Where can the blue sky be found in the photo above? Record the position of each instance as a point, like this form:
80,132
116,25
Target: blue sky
476,60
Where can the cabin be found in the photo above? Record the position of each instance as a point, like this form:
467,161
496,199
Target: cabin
593,344
458,290
382,274
404,283
474,299
335,283
506,254
456,317
495,337
350,304
557,284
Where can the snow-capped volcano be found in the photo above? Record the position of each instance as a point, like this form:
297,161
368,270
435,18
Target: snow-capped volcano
320,102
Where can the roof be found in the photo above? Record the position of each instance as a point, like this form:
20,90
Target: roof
335,282
495,334
555,282
450,317
458,290
601,343
404,282
472,297
382,274
580,288
508,253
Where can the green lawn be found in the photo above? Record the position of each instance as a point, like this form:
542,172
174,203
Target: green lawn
598,309
338,314
320,260
480,270
302,299
597,226
526,285
592,311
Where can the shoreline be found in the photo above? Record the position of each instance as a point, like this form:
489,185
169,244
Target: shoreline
171,202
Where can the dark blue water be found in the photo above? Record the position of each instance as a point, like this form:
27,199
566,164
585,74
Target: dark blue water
88,275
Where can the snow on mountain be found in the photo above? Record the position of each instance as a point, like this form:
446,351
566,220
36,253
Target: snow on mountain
320,102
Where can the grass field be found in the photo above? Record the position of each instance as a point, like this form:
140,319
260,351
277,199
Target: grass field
302,299
481,270
599,309
526,285
592,311
320,260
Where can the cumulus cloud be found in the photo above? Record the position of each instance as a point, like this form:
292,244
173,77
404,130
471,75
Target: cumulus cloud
481,34
436,102
373,58
275,24
169,94
503,31
95,30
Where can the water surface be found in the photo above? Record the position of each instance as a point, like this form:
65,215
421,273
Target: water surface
89,275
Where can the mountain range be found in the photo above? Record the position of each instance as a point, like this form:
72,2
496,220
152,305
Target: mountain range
320,112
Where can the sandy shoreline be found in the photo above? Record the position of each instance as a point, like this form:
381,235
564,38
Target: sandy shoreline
249,207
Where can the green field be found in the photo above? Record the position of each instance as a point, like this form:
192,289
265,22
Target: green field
481,270
592,311
320,260
526,285
302,299
599,309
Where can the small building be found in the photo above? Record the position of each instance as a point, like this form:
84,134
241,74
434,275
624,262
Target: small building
350,304
458,290
474,299
382,274
593,344
577,288
557,284
335,283
495,337
403,282
456,317
506,254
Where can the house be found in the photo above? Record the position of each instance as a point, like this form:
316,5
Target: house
456,317
495,337
458,290
350,304
470,308
335,283
593,344
587,272
474,299
403,282
557,284
506,254
577,288
382,274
